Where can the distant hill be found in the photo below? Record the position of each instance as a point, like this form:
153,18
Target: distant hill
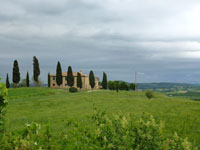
167,86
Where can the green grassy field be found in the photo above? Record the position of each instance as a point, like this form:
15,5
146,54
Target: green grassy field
55,106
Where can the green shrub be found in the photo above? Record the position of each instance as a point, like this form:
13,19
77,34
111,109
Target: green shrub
107,132
123,86
121,132
3,104
31,138
149,94
73,90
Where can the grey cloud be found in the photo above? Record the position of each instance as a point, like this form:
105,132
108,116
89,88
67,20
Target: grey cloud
119,37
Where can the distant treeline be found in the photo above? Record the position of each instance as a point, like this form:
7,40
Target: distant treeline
167,86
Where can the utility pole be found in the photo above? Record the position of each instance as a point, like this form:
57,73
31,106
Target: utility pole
135,81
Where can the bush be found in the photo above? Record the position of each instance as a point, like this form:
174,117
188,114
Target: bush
149,94
123,86
3,104
107,132
31,138
73,90
121,132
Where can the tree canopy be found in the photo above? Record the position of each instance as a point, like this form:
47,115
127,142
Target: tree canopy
104,81
92,79
49,80
79,81
70,77
27,80
7,82
59,79
16,73
36,69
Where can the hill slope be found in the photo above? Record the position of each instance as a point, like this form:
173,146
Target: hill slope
55,106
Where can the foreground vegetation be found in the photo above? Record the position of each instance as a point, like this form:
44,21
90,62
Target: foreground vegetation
63,111
115,132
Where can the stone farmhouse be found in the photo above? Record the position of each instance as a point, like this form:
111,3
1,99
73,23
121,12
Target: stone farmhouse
85,81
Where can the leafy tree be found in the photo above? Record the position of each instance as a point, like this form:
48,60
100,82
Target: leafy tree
59,79
123,86
79,80
92,79
27,80
116,85
49,80
132,86
7,82
16,73
70,77
104,81
111,85
36,69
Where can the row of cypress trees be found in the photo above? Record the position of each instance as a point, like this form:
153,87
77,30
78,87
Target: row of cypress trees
16,73
70,77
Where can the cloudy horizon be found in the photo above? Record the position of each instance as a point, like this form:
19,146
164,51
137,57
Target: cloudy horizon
159,39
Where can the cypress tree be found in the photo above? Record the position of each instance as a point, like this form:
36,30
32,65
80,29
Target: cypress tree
79,80
36,69
104,81
70,77
92,79
27,80
49,80
16,73
7,82
59,74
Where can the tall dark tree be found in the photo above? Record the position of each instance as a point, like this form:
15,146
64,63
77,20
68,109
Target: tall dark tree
79,80
49,80
104,81
27,80
36,69
132,86
59,79
16,73
92,79
70,77
7,82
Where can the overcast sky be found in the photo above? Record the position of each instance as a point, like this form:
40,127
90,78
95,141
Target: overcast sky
159,39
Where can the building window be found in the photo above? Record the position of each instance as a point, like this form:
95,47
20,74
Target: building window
53,84
54,78
66,78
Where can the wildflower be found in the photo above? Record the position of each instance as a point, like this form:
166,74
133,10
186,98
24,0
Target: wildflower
98,132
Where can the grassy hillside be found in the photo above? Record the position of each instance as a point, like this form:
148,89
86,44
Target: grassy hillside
55,106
